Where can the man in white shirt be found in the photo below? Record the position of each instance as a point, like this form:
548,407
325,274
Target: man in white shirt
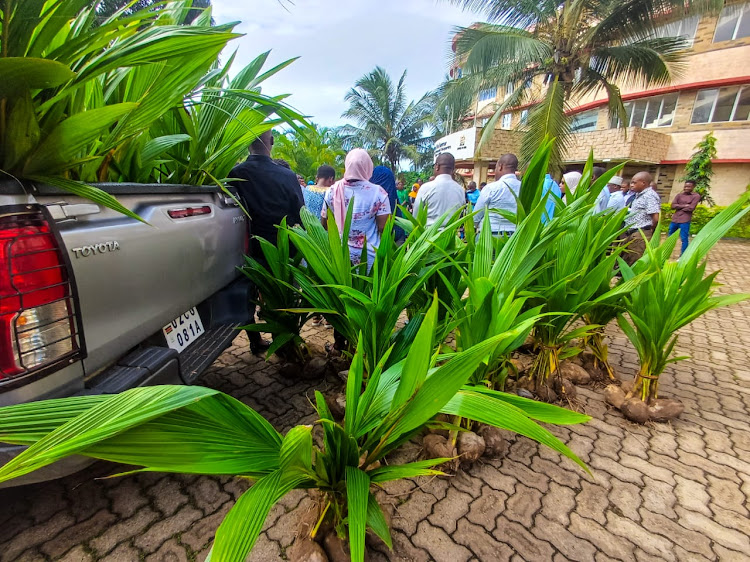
500,194
441,195
616,195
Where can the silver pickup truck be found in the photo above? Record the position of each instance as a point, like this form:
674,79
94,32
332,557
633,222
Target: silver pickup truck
94,302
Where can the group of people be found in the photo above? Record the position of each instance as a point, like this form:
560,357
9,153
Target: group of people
272,192
444,195
644,209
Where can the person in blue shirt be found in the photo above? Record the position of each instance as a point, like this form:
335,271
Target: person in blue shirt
472,193
550,186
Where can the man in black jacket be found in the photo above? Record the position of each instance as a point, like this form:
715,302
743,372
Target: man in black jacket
269,192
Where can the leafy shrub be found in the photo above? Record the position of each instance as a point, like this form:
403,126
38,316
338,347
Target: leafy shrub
702,215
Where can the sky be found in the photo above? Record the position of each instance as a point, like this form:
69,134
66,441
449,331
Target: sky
338,41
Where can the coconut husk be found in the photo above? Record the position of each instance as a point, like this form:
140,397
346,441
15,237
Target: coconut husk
315,369
635,410
336,402
593,368
665,409
336,548
307,550
436,447
546,394
564,388
494,440
470,447
574,373
614,395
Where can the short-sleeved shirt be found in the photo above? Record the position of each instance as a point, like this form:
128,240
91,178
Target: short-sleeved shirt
441,195
369,201
645,204
269,192
314,197
500,194
473,196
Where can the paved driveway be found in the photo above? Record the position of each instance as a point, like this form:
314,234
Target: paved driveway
664,492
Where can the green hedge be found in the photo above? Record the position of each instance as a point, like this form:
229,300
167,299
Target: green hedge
702,215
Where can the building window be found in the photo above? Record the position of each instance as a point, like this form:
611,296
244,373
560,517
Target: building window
719,105
584,122
734,23
487,94
509,89
657,111
505,121
524,116
483,121
684,28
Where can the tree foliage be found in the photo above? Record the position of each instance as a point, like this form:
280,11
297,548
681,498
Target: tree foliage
133,97
385,124
700,169
306,149
573,48
108,8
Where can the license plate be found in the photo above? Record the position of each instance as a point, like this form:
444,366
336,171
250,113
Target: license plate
183,330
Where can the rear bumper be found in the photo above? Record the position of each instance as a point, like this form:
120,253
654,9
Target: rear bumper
145,367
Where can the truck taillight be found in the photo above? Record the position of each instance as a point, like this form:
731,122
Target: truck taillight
38,324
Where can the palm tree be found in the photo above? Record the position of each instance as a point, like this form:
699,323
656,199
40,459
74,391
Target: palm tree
452,103
306,149
572,48
386,125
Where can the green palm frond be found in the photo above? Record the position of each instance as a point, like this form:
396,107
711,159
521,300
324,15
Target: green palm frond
522,13
548,120
488,46
648,62
621,21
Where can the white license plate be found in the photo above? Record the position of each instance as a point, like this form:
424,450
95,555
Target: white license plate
183,330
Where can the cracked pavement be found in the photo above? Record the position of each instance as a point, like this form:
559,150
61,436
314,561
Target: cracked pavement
675,491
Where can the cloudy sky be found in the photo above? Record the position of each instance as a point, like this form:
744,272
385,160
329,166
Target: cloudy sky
340,40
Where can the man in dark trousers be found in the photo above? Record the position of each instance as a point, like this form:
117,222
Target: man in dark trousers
684,204
269,192
642,218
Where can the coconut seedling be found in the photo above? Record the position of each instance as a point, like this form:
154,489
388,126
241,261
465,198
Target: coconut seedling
579,266
61,115
371,302
197,430
600,315
669,297
284,308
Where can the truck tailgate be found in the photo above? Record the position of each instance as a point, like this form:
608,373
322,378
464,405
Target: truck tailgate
134,278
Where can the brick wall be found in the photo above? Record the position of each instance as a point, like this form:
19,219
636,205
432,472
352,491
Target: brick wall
643,145
502,142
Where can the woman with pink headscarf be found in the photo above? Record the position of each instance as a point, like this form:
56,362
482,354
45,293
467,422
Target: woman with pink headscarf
371,207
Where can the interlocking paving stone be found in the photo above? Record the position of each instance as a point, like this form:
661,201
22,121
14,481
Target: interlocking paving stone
678,491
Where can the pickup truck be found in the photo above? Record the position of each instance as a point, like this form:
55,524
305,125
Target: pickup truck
94,302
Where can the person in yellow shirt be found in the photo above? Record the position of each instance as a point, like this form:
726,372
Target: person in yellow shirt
413,195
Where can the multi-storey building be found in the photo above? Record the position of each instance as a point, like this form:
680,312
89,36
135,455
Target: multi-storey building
711,94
